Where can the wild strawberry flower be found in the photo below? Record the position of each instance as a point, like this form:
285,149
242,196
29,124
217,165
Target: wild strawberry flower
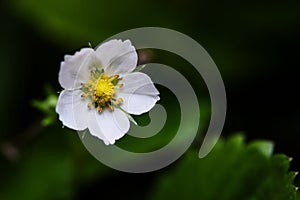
102,88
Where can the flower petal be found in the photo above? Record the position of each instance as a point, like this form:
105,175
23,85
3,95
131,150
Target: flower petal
117,57
138,93
72,109
109,125
94,127
74,70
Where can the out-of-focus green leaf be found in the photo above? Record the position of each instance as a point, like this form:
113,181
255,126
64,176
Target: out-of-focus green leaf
47,106
298,195
92,21
232,171
266,148
54,167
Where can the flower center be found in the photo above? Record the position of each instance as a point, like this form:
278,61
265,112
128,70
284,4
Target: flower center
100,90
104,91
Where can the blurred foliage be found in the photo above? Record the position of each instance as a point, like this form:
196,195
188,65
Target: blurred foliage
49,170
75,19
255,47
217,25
232,170
47,106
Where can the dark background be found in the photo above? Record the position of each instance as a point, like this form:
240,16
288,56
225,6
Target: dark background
254,44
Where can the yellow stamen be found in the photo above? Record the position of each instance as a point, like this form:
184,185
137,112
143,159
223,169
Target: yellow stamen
114,78
100,89
104,90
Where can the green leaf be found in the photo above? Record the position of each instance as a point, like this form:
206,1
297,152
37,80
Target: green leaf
47,106
265,147
232,171
72,21
53,167
298,194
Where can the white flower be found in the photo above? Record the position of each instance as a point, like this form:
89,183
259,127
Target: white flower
101,89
